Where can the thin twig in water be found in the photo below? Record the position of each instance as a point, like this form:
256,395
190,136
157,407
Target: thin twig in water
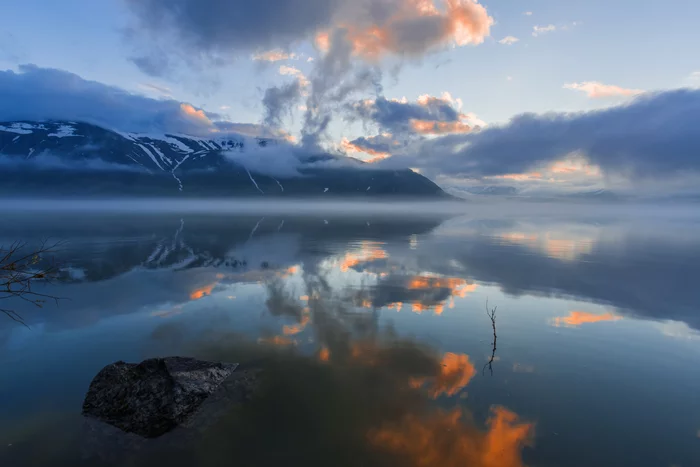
492,315
18,271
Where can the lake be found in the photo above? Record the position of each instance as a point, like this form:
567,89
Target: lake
376,331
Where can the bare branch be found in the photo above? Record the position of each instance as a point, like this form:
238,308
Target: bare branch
20,270
492,316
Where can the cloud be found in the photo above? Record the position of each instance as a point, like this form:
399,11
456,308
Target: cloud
251,129
212,32
427,127
429,115
277,101
47,161
35,93
596,90
154,64
157,89
652,137
528,13
577,318
440,439
334,79
415,27
509,40
379,146
274,55
539,30
293,71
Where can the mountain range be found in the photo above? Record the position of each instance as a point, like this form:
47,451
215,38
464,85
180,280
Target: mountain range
66,158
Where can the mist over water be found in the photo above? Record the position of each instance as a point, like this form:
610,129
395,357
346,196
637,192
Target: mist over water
369,321
479,207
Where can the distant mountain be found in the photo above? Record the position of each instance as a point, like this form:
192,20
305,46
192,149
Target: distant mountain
78,159
601,195
493,190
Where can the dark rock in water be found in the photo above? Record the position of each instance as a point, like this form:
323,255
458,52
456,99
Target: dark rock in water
155,396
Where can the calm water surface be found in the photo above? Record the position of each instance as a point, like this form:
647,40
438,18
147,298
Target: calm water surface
374,333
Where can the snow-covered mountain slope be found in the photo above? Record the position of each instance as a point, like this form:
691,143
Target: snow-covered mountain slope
74,158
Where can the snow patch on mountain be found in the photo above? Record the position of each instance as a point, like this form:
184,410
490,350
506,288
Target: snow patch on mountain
64,131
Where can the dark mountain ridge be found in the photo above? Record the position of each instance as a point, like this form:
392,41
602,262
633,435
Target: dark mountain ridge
75,159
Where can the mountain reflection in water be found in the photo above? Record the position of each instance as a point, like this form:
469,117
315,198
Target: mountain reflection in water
372,333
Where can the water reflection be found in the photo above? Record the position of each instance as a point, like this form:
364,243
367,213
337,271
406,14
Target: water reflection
373,332
577,318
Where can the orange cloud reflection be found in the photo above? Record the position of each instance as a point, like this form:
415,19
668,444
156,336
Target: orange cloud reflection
458,288
202,291
324,354
294,329
369,251
443,440
577,318
553,244
277,340
455,373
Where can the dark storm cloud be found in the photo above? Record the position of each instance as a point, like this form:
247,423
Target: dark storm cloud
219,24
396,116
654,136
379,144
216,28
278,101
48,94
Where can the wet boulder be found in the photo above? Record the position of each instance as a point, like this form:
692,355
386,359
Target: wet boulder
155,396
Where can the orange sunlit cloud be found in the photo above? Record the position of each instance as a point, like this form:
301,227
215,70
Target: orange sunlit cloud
459,22
431,127
395,306
190,111
443,439
596,90
519,177
455,373
577,318
577,166
293,71
275,55
350,147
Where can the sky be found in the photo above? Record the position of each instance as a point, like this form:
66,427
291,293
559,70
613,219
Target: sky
538,94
